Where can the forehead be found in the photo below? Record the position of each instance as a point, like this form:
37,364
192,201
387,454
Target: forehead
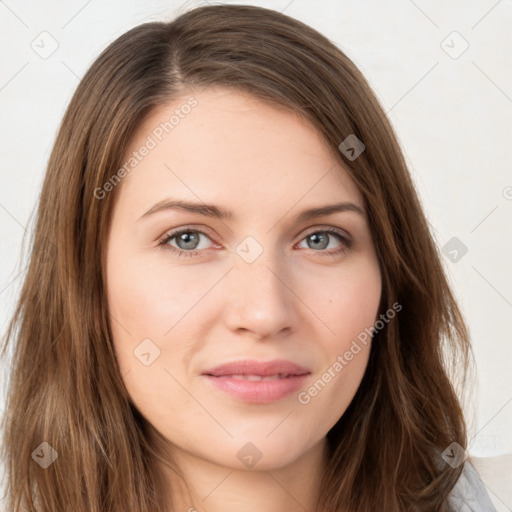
224,144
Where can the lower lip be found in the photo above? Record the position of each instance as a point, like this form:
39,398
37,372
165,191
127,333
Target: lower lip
258,392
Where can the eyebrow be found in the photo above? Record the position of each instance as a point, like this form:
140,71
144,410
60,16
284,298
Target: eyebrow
217,212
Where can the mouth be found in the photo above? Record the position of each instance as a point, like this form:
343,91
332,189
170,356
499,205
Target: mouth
257,382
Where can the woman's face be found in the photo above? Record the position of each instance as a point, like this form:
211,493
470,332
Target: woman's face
244,274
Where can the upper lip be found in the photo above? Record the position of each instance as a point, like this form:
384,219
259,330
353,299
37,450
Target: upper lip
261,368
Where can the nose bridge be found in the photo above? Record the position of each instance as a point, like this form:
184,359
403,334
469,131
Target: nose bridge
259,297
265,276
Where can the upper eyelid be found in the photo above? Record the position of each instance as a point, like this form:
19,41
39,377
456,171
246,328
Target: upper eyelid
321,228
171,233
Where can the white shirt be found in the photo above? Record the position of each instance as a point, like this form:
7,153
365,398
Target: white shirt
469,493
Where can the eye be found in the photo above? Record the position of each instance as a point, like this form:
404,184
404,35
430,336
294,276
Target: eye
320,240
187,242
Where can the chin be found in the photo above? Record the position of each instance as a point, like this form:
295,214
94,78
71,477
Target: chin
260,453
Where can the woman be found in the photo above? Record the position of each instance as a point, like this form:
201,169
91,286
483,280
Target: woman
243,306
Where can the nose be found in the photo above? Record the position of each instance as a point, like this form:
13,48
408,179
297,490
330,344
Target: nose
260,299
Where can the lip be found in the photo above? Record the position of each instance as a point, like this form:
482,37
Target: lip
282,378
253,367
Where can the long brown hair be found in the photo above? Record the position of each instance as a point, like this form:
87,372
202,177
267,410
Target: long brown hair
66,388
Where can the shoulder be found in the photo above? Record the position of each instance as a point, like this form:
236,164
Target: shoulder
470,493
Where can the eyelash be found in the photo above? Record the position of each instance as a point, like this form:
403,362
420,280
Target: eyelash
345,240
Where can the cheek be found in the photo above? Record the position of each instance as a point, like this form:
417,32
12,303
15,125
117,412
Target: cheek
143,307
139,311
348,302
329,394
138,297
351,314
155,309
147,299
349,309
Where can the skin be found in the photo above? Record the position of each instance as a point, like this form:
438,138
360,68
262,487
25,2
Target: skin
295,301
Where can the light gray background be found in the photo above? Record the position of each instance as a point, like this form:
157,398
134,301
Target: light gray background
452,110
